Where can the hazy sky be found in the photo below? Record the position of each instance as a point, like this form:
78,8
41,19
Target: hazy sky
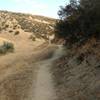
37,7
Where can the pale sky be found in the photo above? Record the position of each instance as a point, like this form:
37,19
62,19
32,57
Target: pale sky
37,7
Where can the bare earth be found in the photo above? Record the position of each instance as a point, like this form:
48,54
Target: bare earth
25,74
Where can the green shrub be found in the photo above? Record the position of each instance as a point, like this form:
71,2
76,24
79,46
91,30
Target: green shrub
79,21
6,47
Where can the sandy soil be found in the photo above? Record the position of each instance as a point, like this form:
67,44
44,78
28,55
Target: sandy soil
25,73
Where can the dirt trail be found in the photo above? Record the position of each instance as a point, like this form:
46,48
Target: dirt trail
44,89
44,86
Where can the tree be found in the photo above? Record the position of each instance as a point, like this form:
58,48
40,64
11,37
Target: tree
92,15
67,27
79,20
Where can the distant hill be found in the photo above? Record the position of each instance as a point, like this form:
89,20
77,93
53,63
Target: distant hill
39,25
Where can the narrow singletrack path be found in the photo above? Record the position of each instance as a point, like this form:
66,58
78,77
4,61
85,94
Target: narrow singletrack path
44,86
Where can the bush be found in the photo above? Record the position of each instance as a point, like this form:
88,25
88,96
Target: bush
10,31
16,33
79,21
6,26
6,47
33,38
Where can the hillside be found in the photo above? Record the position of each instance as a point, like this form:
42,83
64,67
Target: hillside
40,26
77,73
19,68
33,69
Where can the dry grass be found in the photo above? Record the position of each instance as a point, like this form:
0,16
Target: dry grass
2,40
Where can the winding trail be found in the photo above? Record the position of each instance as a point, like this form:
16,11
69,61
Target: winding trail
44,86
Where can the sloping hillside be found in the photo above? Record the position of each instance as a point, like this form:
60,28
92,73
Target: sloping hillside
40,26
77,73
